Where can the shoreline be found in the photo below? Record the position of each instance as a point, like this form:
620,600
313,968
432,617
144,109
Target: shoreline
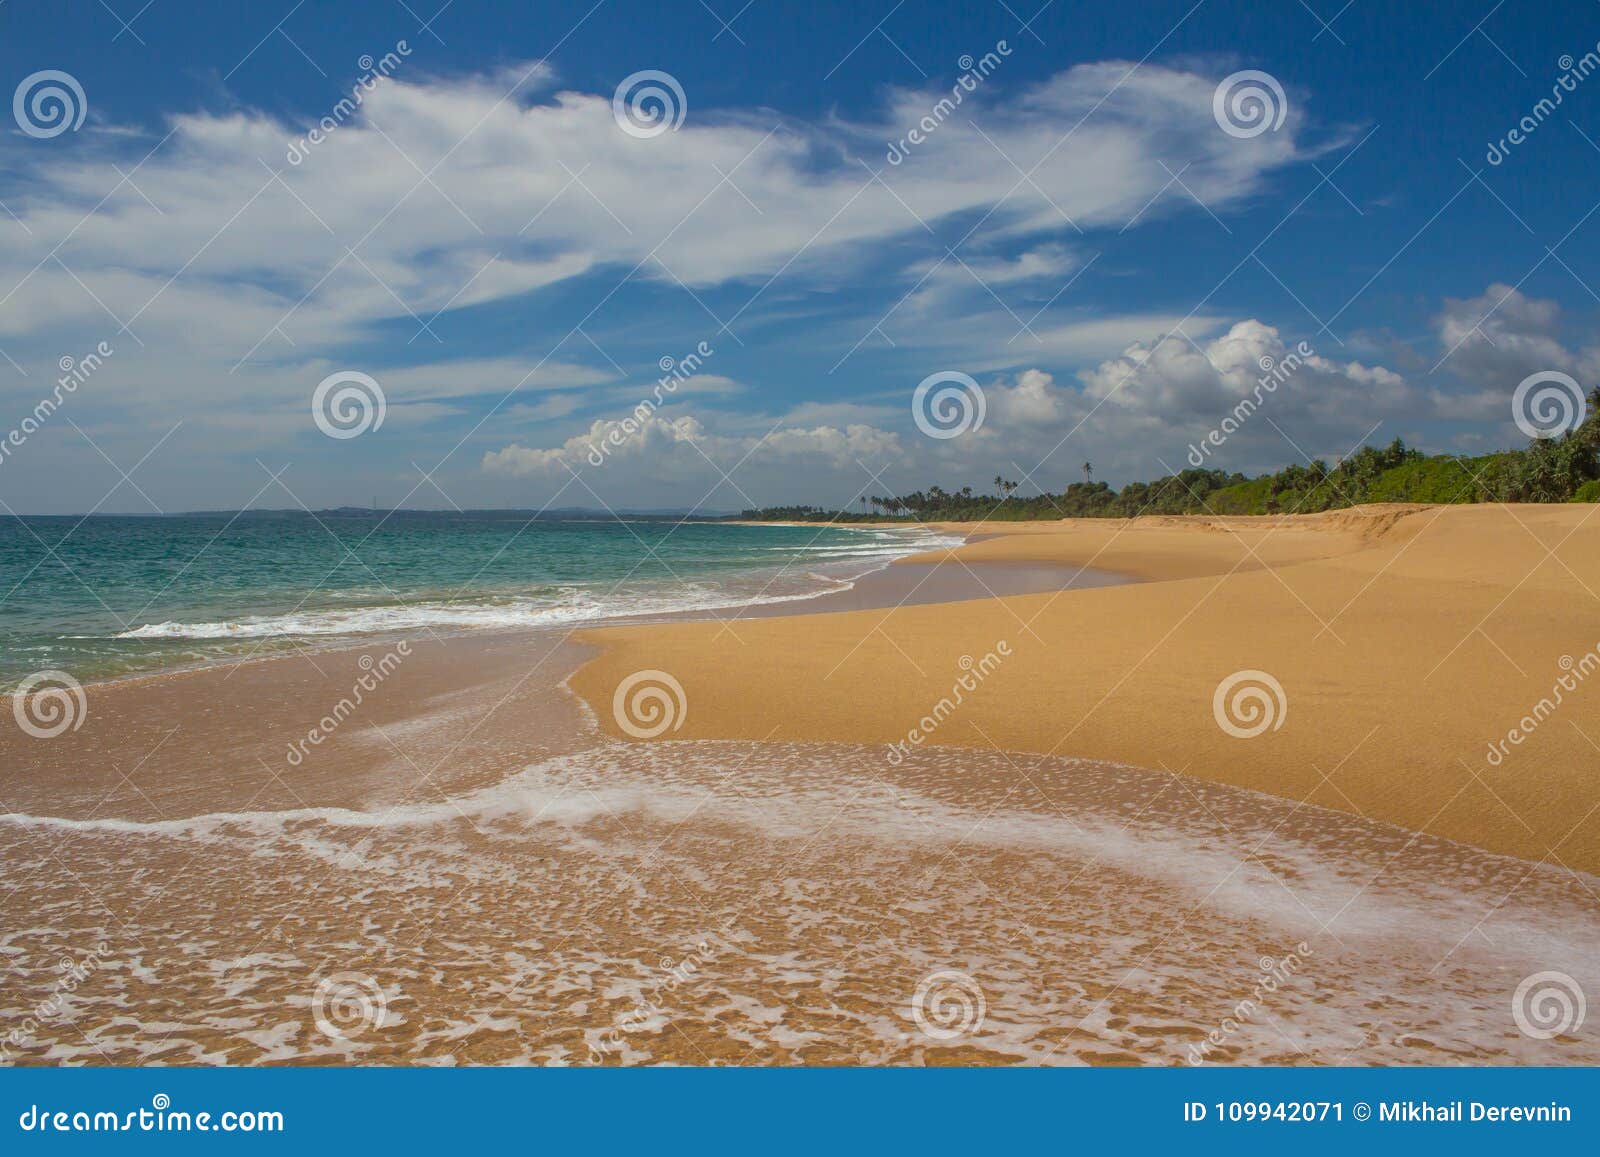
493,696
272,648
1406,639
883,586
1210,596
473,841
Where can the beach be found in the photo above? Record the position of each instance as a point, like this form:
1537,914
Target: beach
750,834
1407,641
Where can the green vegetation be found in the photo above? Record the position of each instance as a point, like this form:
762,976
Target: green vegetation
1564,469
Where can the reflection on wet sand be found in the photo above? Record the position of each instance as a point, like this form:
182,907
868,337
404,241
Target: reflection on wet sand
698,902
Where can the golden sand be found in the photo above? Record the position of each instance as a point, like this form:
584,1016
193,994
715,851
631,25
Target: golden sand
1407,640
467,871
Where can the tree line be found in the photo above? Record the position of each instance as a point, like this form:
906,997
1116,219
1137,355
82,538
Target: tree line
1559,469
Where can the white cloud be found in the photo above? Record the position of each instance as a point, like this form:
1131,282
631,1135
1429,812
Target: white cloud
1135,415
1491,342
439,194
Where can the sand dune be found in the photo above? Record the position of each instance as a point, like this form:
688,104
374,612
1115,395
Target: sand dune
1406,639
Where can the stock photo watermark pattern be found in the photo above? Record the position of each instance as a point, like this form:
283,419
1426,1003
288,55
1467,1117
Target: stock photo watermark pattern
1249,103
48,103
49,703
1574,673
1547,1005
948,1005
948,404
351,794
1275,973
347,404
372,73
1249,703
674,373
649,103
73,972
374,672
1548,404
75,372
973,674
648,704
1274,373
344,1005
1573,74
973,74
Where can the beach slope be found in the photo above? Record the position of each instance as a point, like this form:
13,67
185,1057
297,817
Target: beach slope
1437,664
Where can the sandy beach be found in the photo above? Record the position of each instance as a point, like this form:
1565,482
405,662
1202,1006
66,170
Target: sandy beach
1407,640
478,864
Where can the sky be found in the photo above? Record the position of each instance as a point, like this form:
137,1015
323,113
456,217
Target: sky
715,254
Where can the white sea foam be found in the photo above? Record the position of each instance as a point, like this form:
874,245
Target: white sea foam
571,604
1229,856
1114,917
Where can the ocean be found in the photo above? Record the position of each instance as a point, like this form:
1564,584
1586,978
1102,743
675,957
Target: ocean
109,595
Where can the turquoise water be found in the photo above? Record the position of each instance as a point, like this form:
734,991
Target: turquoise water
109,595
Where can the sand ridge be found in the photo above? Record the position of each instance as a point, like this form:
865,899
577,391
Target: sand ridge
1407,640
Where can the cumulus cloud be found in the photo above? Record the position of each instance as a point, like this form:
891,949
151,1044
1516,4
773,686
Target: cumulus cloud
1135,415
617,460
1492,341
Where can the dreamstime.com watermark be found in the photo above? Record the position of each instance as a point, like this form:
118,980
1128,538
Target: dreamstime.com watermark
1548,404
649,703
1274,373
649,103
160,1117
948,1004
1249,103
49,703
53,1008
973,73
1249,702
1274,975
974,672
1573,73
948,404
1547,1005
49,103
375,671
674,371
372,71
346,1004
650,1011
1577,670
74,373
347,404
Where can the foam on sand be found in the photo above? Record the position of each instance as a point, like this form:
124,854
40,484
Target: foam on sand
728,901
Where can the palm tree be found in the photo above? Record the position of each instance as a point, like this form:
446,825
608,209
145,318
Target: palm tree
1088,471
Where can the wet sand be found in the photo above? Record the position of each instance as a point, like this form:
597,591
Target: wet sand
909,583
469,869
700,902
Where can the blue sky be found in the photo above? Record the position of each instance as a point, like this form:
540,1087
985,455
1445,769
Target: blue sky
483,240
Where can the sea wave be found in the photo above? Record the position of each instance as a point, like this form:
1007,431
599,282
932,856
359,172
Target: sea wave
554,607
